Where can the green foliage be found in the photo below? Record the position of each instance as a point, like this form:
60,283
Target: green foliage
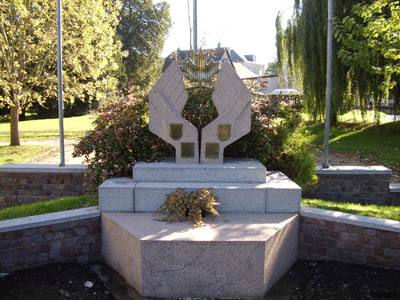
46,207
271,69
371,43
142,29
276,138
28,54
182,206
369,210
120,137
365,53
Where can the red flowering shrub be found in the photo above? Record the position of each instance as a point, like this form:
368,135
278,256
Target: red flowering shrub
121,137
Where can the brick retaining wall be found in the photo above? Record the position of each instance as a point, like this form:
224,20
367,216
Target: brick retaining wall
24,183
328,235
70,236
366,185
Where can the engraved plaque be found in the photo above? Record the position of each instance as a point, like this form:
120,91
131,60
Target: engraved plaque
212,150
224,132
175,131
187,150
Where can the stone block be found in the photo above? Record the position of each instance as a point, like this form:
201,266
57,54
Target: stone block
235,256
233,197
233,101
166,102
233,170
117,194
283,195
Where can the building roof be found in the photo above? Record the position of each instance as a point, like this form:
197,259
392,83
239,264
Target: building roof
243,72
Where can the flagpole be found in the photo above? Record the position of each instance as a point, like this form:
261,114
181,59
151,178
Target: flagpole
195,26
325,163
60,85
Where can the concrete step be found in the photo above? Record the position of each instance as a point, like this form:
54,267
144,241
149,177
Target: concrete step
234,256
233,197
394,187
233,171
278,194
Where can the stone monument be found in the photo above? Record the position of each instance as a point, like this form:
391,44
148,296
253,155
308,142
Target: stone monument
231,98
241,253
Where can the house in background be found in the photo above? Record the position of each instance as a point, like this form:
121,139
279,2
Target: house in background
246,67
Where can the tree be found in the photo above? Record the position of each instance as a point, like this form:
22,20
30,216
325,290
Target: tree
271,69
365,52
371,42
142,29
28,53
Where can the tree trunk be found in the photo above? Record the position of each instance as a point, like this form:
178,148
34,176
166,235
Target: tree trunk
14,114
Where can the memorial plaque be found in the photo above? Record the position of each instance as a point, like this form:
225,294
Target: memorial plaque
224,132
212,150
187,150
175,131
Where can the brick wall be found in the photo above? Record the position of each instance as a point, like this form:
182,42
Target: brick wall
77,241
24,184
321,239
366,185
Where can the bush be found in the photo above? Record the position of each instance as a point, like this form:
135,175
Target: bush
182,206
121,135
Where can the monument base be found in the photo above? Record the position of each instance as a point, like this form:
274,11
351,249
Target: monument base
240,254
235,256
240,186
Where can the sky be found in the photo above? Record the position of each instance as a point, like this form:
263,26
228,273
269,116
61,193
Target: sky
247,26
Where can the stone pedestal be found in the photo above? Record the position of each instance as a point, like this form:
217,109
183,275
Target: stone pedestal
235,256
240,254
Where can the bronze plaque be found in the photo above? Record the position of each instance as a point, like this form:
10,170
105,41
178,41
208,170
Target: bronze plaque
175,131
212,150
224,132
187,150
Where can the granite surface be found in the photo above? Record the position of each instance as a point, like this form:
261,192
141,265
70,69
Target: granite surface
232,100
235,256
166,102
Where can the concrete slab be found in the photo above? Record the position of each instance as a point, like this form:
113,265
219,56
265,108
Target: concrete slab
117,194
283,194
232,170
233,197
360,170
42,168
394,187
235,256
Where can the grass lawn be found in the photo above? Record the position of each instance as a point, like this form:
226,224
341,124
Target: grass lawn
376,211
378,142
73,127
45,207
19,154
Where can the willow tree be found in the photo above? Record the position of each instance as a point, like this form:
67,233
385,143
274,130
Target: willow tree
371,46
305,40
28,52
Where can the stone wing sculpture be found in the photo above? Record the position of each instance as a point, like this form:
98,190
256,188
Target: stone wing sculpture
167,100
232,100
